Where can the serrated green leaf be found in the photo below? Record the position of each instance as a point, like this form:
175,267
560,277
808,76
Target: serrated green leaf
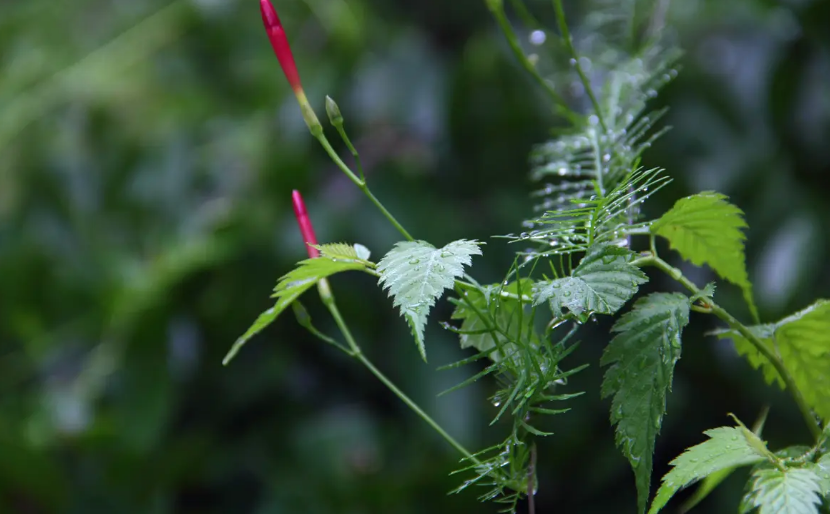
289,288
478,330
706,229
642,357
602,283
706,292
344,251
788,491
416,274
726,449
803,342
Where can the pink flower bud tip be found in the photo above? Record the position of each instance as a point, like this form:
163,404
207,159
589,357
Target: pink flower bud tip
279,42
306,229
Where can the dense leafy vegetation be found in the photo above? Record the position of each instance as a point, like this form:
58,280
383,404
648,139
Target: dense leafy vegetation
142,188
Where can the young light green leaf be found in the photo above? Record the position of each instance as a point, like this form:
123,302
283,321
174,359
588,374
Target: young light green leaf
416,273
706,229
803,342
788,491
479,317
289,288
362,252
642,357
344,251
726,449
602,283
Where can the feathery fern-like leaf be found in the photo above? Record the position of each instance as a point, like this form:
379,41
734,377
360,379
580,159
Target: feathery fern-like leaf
642,357
598,219
416,274
489,323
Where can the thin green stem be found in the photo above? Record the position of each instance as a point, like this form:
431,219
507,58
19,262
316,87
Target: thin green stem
361,184
330,303
386,213
350,146
338,161
497,8
734,324
568,40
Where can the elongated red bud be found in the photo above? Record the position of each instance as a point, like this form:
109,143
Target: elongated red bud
273,26
306,229
279,42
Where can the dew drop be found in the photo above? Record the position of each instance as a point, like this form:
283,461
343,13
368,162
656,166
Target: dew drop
538,37
414,261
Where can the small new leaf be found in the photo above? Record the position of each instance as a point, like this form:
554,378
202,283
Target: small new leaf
803,342
787,491
289,288
344,251
602,283
706,229
416,274
642,357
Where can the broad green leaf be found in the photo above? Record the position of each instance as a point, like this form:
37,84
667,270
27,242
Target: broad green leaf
788,491
706,229
416,273
289,288
488,308
726,449
602,283
642,357
803,342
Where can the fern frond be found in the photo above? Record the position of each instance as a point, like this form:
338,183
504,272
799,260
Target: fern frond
598,219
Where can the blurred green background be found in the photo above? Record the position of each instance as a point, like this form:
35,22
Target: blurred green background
147,155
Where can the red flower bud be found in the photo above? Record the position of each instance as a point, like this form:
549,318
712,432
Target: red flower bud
279,42
306,229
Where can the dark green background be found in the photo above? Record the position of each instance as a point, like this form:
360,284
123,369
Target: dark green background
147,155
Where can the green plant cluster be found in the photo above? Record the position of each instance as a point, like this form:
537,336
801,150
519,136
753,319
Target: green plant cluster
591,248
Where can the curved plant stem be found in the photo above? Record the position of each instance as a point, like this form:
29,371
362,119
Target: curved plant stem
739,327
497,8
360,183
352,149
568,40
357,353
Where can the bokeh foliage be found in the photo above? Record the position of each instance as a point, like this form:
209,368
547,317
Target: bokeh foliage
147,153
